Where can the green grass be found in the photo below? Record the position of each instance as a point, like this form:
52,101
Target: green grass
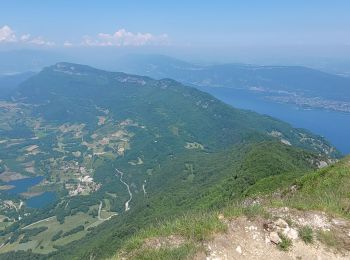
327,238
326,190
274,183
193,228
306,234
286,243
183,252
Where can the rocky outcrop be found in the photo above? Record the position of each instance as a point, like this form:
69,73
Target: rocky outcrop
262,238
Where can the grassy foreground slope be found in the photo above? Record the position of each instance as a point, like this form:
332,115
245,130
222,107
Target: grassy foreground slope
327,189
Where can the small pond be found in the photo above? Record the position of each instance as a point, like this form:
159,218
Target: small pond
23,185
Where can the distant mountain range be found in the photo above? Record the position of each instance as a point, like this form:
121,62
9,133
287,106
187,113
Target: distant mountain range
287,84
275,78
300,86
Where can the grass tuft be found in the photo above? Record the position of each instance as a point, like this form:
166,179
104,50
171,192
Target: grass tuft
286,243
306,234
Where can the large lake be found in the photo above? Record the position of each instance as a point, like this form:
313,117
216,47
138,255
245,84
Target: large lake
34,202
334,126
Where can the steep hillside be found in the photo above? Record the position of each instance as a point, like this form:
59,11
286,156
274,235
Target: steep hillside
306,220
121,152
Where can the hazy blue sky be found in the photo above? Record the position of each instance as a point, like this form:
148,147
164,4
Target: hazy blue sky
313,27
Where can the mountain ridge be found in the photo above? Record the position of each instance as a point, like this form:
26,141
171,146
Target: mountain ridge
300,80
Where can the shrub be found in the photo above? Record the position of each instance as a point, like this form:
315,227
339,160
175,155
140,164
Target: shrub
57,235
73,231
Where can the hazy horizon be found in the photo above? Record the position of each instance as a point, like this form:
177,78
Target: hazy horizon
266,33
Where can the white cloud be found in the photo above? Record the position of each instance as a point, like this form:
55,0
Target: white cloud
25,37
40,41
7,34
67,44
119,38
123,37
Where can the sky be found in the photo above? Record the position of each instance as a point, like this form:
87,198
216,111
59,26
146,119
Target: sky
212,29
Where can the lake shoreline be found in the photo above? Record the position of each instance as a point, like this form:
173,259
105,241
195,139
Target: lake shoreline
332,125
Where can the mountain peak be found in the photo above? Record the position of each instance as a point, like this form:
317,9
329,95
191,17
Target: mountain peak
73,68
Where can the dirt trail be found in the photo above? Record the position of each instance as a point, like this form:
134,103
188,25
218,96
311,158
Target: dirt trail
43,220
127,207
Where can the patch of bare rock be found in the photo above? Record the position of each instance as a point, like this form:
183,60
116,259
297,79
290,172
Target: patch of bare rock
261,238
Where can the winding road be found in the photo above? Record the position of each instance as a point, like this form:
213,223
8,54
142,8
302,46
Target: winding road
127,207
144,187
99,213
